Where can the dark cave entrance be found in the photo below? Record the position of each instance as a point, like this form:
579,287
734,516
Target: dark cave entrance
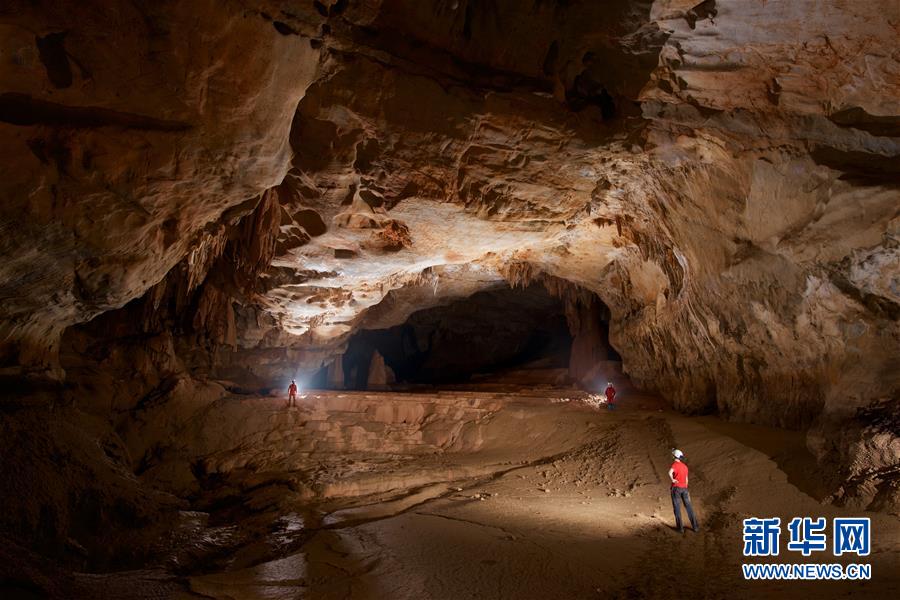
502,336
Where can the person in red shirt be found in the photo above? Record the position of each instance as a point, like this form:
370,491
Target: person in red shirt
292,393
678,474
610,396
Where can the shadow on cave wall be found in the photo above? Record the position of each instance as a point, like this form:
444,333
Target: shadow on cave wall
492,335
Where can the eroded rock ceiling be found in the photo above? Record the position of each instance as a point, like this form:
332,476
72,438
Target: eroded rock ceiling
264,178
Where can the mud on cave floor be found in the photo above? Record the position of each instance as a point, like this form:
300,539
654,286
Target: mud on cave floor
530,499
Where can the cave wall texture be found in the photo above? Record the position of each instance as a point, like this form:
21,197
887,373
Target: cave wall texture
226,190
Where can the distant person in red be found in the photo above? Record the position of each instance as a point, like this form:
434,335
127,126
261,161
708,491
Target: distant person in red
678,474
292,393
610,396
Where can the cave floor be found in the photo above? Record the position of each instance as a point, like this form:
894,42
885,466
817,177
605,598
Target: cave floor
583,513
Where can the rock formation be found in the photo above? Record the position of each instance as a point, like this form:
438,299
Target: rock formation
126,133
380,375
210,198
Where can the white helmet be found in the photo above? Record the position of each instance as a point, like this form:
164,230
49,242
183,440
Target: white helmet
677,453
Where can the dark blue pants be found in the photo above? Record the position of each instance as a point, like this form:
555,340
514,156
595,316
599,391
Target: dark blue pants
681,495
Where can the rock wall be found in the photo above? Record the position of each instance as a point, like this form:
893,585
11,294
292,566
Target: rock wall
777,201
125,129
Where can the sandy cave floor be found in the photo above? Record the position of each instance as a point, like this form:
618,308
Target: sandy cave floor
584,513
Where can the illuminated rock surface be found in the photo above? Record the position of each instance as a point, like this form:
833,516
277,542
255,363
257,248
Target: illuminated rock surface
203,200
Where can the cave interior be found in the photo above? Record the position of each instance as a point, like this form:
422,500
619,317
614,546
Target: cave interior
516,335
452,223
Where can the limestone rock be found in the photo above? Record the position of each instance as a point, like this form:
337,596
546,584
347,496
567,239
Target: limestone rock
380,375
124,131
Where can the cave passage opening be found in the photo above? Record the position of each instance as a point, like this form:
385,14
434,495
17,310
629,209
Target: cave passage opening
507,335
